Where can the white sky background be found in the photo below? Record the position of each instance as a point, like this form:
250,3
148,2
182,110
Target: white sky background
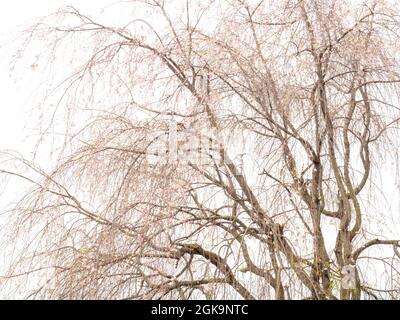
15,107
15,91
14,15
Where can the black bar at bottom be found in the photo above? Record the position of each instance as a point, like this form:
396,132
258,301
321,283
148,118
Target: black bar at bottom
202,309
